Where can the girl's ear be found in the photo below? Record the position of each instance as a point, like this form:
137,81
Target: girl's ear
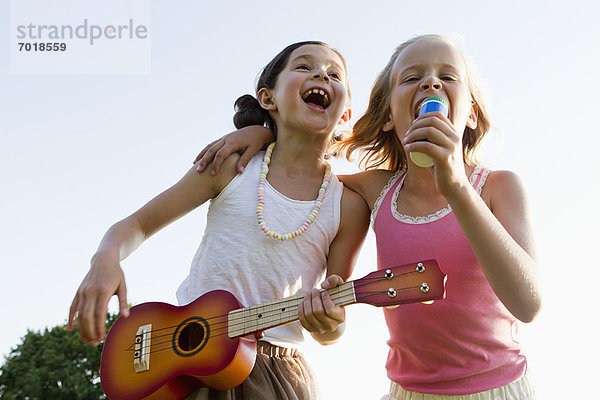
389,125
266,101
472,119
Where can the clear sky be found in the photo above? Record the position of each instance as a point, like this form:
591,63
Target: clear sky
83,148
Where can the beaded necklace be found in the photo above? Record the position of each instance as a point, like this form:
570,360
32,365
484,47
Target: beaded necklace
261,200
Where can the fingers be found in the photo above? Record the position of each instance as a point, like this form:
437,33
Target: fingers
204,150
91,313
85,318
90,304
123,304
332,281
100,319
318,313
429,127
207,154
435,136
73,313
220,156
246,156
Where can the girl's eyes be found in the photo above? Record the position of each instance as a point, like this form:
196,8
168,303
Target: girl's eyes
447,78
334,75
410,79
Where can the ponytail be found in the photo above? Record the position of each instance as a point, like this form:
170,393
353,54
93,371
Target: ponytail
249,112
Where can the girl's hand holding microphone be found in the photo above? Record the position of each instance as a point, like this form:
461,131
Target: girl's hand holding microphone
432,141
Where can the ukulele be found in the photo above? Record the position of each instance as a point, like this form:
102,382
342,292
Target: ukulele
164,352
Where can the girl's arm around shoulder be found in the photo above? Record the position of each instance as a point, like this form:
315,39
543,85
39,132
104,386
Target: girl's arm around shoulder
368,184
499,229
318,314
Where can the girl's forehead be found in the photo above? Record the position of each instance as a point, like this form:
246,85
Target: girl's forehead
429,53
317,52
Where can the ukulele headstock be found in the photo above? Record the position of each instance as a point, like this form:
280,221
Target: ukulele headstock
410,283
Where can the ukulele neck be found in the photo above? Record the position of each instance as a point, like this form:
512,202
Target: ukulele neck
256,318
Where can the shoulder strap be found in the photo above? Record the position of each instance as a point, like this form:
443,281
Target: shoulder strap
478,178
386,193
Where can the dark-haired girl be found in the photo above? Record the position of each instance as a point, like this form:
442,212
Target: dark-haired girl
271,233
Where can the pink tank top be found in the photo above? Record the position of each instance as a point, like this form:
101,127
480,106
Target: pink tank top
460,345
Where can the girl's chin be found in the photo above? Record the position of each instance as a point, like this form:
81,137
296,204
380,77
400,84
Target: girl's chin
319,125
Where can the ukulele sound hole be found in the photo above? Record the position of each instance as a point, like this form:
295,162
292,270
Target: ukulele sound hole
191,336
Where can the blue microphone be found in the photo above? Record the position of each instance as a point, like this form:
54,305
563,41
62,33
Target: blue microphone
430,104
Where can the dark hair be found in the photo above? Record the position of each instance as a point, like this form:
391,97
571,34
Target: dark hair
248,110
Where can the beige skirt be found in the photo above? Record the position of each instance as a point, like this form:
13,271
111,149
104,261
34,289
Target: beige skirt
278,374
519,390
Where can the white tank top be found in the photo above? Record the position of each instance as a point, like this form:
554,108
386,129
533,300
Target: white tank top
236,255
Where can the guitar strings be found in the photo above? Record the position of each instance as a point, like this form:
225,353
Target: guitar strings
219,330
235,324
269,313
357,284
283,303
170,347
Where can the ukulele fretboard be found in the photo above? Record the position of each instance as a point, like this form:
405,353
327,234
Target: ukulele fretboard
268,315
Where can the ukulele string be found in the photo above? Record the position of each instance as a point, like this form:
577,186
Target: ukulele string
357,284
282,306
170,347
219,331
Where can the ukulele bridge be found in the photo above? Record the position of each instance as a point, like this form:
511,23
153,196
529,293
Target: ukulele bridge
141,351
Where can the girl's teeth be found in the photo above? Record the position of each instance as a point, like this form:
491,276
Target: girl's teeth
317,91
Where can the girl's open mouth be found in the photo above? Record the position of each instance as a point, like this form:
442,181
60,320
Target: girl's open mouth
316,98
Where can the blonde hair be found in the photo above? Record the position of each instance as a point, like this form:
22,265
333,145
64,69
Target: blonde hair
380,149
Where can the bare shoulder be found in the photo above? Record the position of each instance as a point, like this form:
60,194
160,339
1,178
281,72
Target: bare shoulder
355,214
504,188
500,181
368,184
503,178
352,201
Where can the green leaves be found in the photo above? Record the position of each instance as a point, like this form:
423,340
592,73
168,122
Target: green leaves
53,364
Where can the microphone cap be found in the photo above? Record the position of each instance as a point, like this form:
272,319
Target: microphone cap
432,104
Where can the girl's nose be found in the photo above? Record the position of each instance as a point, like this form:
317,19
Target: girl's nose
321,74
431,83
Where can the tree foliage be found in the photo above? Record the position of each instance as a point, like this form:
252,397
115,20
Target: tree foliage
53,364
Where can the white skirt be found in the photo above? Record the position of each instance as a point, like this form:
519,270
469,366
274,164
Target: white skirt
518,390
